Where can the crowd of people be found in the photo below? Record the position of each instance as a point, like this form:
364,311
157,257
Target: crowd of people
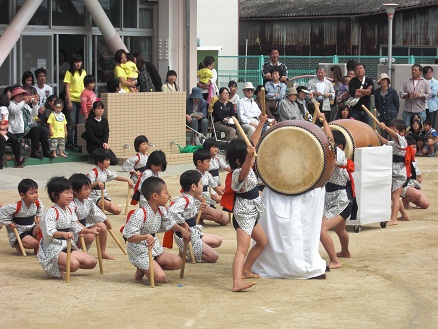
78,200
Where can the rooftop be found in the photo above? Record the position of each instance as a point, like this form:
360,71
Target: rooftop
308,8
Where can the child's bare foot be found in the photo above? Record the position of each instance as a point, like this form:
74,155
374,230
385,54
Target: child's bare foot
54,155
138,277
62,154
107,256
334,265
392,222
242,286
343,254
61,277
250,275
404,218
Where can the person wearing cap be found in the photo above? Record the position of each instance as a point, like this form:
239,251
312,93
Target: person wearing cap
196,113
432,102
248,111
305,102
386,101
322,90
22,123
288,107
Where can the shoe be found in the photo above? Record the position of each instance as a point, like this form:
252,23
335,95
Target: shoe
20,164
431,155
197,141
418,154
36,155
48,155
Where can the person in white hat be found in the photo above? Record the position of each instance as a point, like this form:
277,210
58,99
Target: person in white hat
288,107
248,111
386,101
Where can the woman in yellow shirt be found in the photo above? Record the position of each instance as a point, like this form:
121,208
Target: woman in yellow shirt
74,85
119,73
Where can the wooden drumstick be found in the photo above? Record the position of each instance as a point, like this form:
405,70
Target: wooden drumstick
184,256
117,241
151,268
306,116
374,123
370,114
67,267
102,199
242,133
198,218
99,253
263,100
127,200
192,254
316,113
20,243
83,246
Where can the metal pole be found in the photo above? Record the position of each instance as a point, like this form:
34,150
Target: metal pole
390,46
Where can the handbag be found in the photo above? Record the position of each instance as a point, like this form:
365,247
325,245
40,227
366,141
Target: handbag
272,104
351,101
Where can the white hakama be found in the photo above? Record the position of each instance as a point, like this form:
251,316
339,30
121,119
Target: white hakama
292,224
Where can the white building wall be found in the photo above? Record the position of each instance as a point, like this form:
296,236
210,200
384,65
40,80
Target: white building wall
218,25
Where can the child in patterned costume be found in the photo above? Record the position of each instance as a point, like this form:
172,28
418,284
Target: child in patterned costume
140,232
201,159
396,130
338,200
137,164
184,211
217,164
88,214
23,215
99,175
247,208
59,223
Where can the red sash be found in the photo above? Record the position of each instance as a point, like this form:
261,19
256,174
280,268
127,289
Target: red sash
350,169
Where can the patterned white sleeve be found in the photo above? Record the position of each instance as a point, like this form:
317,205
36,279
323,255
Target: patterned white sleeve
176,211
134,224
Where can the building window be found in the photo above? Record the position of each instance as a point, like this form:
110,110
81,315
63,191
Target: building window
4,13
68,13
113,10
41,17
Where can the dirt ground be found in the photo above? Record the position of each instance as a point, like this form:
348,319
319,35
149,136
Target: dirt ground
390,282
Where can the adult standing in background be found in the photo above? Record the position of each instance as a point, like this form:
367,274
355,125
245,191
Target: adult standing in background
119,73
322,90
74,85
275,91
336,74
42,89
432,102
208,61
361,87
386,101
415,91
274,53
148,71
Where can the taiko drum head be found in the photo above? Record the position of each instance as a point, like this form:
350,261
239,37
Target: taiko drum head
294,157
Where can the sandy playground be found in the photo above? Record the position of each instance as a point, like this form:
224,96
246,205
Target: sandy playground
390,282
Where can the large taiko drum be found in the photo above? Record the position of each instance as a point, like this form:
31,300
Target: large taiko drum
294,157
357,134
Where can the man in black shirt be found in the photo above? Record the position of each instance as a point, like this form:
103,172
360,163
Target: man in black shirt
361,87
274,63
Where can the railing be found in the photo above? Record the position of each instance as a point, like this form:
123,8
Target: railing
249,68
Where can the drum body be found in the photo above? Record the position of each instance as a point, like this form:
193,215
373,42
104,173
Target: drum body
357,134
294,157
